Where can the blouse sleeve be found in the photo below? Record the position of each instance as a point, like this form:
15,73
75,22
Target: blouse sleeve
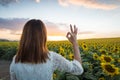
12,74
63,64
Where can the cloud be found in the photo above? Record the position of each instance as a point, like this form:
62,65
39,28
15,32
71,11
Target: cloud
88,4
37,1
54,29
15,26
95,4
63,2
6,2
12,29
6,34
12,24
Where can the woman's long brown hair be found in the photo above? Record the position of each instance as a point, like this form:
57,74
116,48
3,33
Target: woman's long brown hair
32,46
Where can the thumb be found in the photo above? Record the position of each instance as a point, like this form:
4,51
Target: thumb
68,35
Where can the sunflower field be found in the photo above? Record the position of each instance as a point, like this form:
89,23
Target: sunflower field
100,57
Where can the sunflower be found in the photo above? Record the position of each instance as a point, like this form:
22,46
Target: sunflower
61,50
101,78
118,60
106,58
71,56
102,51
116,50
110,69
95,56
84,46
54,75
95,46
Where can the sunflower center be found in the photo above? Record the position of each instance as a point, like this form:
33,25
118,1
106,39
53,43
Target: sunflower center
96,56
103,52
107,59
109,68
116,49
101,79
84,46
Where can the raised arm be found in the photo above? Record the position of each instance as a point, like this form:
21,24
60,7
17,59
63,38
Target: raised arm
72,37
62,64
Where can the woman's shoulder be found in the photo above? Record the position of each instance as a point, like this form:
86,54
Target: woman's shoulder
52,54
55,55
13,60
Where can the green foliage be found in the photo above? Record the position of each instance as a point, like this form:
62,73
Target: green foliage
8,50
88,48
9,53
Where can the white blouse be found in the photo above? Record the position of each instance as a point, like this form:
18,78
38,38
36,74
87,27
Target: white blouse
44,71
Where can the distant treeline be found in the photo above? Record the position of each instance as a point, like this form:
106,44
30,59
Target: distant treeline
6,40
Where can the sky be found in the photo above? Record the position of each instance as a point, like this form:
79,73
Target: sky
94,18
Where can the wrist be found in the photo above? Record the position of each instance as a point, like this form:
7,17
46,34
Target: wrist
75,42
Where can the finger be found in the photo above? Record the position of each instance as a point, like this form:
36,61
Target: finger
71,28
68,35
75,29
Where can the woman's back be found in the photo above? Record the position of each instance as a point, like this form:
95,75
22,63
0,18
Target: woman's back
33,60
43,71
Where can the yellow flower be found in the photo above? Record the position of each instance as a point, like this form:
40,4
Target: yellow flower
102,51
106,58
95,47
54,75
61,50
71,56
110,69
101,78
116,49
95,56
118,60
84,46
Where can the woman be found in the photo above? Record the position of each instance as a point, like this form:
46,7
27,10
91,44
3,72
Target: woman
33,61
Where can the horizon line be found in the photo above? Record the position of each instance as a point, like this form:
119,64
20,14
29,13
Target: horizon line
66,39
